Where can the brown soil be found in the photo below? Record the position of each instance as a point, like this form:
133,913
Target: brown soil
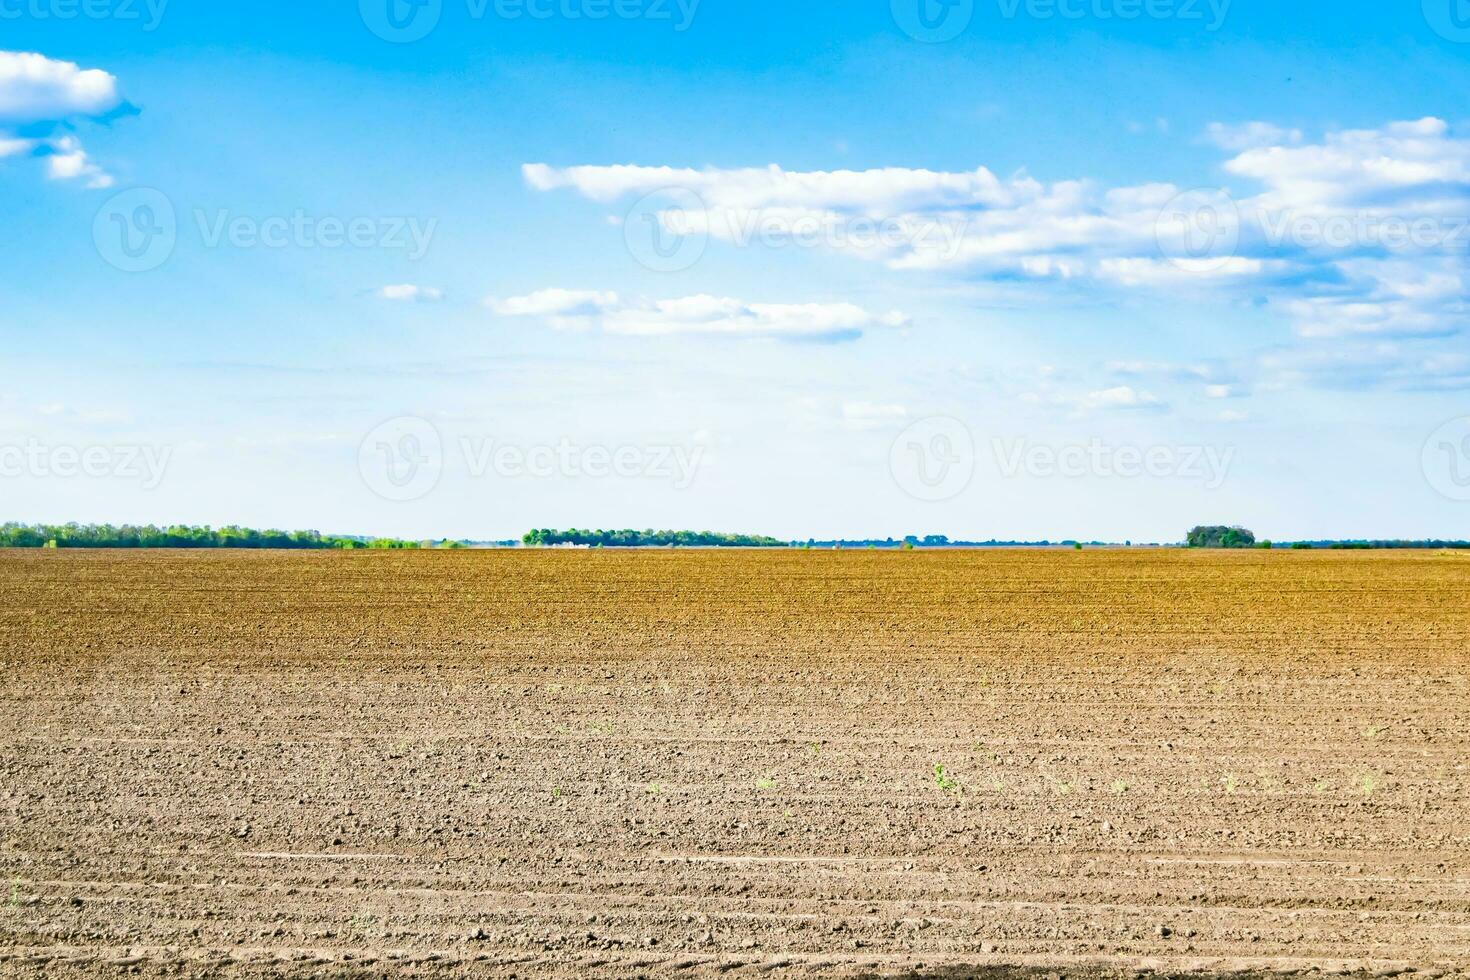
623,764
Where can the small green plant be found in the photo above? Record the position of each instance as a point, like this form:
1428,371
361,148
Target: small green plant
1367,784
816,748
15,893
1230,783
765,783
944,782
654,789
1120,787
556,792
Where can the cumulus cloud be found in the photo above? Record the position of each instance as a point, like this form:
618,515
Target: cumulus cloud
1321,232
1246,136
34,88
568,309
1121,397
40,93
410,293
66,160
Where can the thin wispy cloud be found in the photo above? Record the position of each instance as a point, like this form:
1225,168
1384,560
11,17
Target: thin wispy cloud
609,312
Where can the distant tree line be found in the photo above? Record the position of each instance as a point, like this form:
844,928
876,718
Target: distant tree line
935,541
1376,545
13,535
546,537
1239,537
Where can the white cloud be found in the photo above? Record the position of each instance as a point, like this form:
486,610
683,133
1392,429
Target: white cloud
1121,397
1356,365
1365,182
1359,167
1163,369
1424,297
34,88
556,303
1247,136
68,161
409,293
567,309
1176,272
1124,398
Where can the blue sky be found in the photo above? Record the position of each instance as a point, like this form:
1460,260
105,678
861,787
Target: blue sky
1096,268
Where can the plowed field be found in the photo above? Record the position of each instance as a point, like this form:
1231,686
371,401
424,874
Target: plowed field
947,764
